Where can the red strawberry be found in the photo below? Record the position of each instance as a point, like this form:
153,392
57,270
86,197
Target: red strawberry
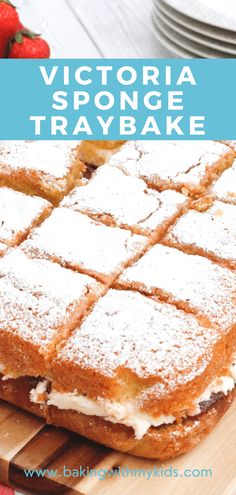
26,44
19,28
9,22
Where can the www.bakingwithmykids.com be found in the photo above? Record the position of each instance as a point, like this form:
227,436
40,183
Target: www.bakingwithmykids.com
119,471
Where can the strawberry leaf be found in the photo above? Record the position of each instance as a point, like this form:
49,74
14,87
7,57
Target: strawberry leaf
19,37
28,34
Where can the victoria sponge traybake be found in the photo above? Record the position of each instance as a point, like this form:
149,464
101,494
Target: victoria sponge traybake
118,288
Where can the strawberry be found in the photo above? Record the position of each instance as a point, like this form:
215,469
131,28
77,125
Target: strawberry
26,44
19,28
9,22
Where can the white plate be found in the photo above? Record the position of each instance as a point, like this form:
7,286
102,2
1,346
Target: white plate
198,27
187,44
175,49
219,13
199,38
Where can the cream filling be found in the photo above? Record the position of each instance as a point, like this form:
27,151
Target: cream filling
126,413
37,395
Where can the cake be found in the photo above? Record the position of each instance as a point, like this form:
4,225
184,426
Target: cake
133,369
19,213
191,282
119,200
118,289
45,168
231,143
225,187
97,152
74,240
186,166
40,303
3,248
211,233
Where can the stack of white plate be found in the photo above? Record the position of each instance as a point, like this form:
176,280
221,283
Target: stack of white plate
196,28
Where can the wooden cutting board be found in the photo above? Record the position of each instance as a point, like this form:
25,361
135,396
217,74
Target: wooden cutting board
27,443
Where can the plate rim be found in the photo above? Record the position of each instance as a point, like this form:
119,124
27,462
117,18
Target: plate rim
200,51
192,35
186,54
197,26
199,19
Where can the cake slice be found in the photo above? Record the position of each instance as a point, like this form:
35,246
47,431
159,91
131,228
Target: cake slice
187,166
76,241
40,304
46,168
210,233
120,200
138,371
97,152
225,187
19,213
193,283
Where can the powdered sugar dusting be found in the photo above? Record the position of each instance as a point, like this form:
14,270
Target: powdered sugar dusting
37,296
170,204
169,162
231,143
225,186
111,192
53,158
17,212
204,286
126,329
214,230
3,248
76,240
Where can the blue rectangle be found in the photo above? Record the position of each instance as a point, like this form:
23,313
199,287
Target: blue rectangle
24,95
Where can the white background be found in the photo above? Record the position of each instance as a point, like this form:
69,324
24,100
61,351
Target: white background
93,28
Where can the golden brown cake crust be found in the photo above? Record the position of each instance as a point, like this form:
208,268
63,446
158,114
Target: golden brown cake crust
40,180
97,152
17,392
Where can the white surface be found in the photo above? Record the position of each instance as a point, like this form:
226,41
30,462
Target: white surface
122,28
220,13
93,28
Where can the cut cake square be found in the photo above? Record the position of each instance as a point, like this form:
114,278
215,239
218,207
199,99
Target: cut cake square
187,166
130,343
40,303
210,233
116,199
19,213
193,283
76,241
45,168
